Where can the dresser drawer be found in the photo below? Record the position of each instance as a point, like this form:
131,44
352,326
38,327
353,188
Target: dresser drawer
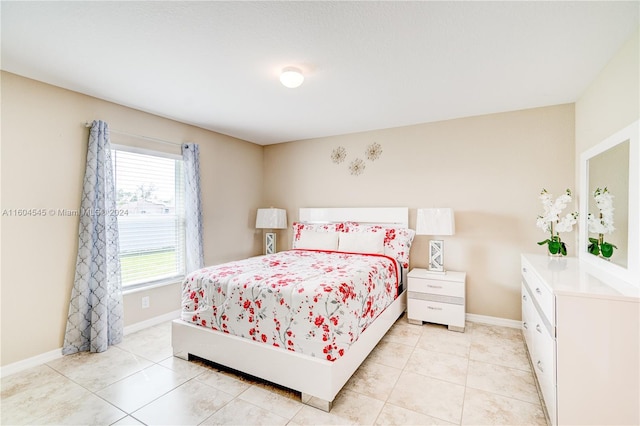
543,361
544,365
528,315
446,288
436,312
541,294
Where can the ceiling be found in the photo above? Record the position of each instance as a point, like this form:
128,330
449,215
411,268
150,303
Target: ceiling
368,65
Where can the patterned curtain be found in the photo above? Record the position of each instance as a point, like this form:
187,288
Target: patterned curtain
96,312
193,211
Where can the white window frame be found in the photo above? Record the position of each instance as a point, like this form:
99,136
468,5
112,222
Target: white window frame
164,281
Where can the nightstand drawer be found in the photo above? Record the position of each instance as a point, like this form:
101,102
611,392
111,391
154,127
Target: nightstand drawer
440,298
436,312
446,288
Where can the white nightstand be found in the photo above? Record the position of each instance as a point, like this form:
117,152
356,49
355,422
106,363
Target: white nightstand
437,298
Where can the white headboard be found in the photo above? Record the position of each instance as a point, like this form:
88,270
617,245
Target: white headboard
396,216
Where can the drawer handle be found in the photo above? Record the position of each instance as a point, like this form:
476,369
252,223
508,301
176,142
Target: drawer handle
434,308
538,290
525,325
434,286
539,365
524,297
524,269
538,329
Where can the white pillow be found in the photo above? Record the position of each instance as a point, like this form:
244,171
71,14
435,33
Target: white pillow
317,240
358,242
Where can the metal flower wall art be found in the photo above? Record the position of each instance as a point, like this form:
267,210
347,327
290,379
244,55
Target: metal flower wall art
338,155
357,166
373,151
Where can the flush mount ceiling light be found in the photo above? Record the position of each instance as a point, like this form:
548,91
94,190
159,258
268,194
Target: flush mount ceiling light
291,77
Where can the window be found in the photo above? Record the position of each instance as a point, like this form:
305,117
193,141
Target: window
150,193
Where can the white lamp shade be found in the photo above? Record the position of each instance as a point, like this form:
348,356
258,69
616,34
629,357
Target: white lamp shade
435,222
271,218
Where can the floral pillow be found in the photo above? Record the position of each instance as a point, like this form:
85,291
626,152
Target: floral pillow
397,241
298,227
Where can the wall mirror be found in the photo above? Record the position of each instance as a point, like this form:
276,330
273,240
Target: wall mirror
612,164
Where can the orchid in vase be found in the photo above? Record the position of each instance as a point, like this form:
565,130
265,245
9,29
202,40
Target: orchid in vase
601,224
552,223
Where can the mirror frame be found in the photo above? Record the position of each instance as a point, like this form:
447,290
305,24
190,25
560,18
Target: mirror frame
631,273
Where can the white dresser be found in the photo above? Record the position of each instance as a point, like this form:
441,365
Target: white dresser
582,331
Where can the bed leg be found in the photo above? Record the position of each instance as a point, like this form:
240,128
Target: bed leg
315,402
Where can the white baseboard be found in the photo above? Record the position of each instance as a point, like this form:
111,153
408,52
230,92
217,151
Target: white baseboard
37,360
34,361
57,353
151,322
483,319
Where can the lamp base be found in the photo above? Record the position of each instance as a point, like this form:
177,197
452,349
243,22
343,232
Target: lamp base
269,242
436,257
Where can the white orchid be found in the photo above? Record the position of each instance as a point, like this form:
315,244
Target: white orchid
551,222
552,209
601,224
567,222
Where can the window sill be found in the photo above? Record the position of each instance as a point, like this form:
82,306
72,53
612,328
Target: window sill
146,287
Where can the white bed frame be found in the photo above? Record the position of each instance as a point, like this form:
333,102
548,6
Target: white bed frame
318,380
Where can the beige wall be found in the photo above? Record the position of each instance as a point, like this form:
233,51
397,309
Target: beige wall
43,159
610,103
612,100
490,169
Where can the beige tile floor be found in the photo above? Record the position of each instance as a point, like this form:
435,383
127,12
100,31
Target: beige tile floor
417,375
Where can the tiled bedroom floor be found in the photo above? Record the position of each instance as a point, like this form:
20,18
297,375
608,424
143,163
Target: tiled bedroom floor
417,375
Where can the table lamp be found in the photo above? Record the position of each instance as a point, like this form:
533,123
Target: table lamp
437,221
271,219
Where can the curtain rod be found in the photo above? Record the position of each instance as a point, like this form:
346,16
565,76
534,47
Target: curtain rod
149,138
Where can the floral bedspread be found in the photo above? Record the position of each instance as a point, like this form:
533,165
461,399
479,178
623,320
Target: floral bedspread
312,302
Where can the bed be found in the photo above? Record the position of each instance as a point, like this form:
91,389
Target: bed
304,318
